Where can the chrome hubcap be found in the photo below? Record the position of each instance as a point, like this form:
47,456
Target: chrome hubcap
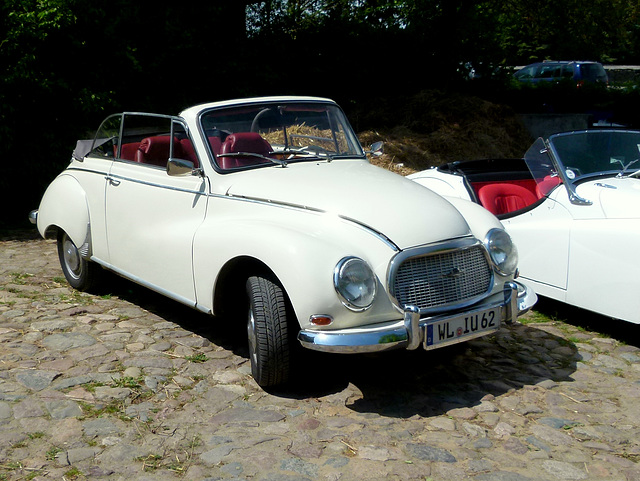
71,257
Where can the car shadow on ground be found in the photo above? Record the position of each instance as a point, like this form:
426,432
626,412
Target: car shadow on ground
403,383
396,383
623,331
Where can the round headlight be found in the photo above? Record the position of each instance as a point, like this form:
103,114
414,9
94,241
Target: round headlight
355,283
503,251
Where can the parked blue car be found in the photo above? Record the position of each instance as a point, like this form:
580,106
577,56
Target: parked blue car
552,71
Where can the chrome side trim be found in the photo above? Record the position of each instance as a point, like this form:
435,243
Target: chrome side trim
89,171
112,178
287,205
408,332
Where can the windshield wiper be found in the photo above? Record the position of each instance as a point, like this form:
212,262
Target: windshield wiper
307,153
625,167
634,174
282,163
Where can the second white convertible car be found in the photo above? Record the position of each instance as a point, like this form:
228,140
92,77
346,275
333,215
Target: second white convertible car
572,207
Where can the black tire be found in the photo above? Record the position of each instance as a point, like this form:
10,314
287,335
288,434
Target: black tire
80,273
267,329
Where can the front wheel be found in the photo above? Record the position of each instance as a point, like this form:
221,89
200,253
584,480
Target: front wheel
267,329
80,273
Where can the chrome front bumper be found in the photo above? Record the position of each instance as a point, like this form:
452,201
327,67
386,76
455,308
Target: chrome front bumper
408,333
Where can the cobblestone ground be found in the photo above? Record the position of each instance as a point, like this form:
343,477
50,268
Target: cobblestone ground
128,385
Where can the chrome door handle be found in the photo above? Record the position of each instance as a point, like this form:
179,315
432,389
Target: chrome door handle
113,181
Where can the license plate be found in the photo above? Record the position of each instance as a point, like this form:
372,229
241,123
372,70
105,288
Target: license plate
461,328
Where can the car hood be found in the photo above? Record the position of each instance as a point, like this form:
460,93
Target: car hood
405,212
619,198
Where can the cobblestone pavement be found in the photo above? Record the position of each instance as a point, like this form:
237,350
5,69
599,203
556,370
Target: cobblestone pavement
128,385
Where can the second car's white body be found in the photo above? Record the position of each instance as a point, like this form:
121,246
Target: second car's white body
581,253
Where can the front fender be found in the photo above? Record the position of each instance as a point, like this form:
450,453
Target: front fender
64,206
301,249
480,220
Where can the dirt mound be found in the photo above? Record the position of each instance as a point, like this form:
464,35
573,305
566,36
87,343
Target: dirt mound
432,128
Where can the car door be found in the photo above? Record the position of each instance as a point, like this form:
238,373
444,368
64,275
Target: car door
600,274
542,236
150,216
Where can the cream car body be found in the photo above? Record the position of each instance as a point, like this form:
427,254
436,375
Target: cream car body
270,207
577,229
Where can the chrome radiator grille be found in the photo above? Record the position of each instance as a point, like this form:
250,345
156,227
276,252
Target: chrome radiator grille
442,278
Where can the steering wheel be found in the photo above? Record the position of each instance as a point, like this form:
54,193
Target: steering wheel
256,119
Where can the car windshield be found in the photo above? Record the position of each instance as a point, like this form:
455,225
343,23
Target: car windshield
278,133
596,153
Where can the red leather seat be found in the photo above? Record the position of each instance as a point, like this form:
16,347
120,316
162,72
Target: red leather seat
250,142
184,150
128,151
154,150
503,198
215,144
546,185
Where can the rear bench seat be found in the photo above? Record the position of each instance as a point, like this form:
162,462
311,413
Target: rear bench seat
128,151
155,150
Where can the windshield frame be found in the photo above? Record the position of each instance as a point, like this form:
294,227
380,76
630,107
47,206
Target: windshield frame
576,173
273,120
570,171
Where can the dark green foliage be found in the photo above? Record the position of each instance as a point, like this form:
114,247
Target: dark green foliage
66,64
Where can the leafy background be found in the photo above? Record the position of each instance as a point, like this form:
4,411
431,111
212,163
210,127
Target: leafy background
400,69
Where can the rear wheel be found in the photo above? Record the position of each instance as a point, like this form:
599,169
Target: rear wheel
267,329
80,273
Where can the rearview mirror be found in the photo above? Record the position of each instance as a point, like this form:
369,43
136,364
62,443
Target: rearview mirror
177,167
376,149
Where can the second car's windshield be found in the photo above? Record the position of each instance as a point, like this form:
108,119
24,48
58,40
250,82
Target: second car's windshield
596,152
282,132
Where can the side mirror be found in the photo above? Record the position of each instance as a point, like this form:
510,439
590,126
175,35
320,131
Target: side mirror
376,149
177,167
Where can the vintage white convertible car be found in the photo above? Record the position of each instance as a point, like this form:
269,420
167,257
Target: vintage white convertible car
269,210
572,207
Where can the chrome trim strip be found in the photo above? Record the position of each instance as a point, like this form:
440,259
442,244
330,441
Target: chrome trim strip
288,205
111,177
379,234
89,171
408,332
258,200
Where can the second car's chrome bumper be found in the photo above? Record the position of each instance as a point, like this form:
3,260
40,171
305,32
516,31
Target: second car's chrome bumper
409,333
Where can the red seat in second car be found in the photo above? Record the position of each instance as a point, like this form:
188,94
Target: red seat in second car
503,198
546,185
